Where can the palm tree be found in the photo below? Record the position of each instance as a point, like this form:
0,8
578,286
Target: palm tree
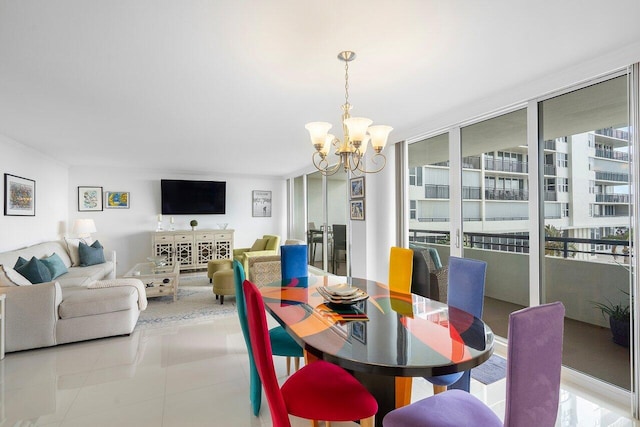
556,248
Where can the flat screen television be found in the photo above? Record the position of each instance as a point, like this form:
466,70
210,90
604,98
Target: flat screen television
184,197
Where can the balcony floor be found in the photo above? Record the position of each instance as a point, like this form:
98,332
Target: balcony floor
587,348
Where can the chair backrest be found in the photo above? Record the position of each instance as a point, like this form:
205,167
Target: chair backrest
273,243
400,269
466,284
255,392
340,236
534,363
293,261
420,283
261,347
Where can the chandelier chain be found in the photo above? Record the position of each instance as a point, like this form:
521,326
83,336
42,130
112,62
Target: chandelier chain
346,82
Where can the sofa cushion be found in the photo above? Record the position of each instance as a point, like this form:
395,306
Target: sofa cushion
34,270
259,245
83,276
73,248
90,255
78,302
10,277
55,265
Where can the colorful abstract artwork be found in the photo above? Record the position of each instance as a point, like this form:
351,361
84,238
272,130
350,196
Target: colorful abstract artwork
117,199
89,199
20,196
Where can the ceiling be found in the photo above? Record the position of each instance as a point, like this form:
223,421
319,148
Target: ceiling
225,87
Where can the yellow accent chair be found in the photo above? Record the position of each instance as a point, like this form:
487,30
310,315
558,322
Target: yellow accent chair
269,244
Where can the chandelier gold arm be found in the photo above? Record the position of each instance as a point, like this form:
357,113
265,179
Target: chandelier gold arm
323,165
361,162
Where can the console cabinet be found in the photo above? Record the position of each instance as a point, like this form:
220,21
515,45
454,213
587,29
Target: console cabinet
193,249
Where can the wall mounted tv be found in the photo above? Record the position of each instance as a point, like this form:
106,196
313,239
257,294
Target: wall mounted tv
182,197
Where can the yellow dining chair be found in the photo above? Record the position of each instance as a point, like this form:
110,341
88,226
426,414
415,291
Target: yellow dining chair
400,271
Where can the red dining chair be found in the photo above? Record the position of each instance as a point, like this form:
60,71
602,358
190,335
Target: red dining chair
318,391
534,363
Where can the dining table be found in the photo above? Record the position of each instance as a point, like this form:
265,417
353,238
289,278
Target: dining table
386,336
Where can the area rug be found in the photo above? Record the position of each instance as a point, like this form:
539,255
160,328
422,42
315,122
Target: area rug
490,371
196,303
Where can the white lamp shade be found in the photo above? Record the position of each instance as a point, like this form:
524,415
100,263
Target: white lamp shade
357,127
379,135
364,145
327,144
318,132
84,227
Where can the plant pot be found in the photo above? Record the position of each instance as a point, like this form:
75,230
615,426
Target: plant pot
620,329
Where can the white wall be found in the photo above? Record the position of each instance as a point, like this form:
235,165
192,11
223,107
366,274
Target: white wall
50,176
129,231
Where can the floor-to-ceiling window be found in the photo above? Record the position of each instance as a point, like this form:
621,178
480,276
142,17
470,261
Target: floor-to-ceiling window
495,205
586,159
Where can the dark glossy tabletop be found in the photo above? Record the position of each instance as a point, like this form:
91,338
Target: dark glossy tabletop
405,334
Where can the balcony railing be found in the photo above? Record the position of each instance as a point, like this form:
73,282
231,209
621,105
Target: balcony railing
432,191
550,145
612,198
549,169
505,165
560,246
614,133
612,176
550,196
471,193
499,194
610,154
471,162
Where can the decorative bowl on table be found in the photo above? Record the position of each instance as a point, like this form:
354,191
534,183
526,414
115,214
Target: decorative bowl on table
342,294
223,225
159,261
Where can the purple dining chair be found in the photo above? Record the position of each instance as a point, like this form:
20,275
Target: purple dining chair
534,361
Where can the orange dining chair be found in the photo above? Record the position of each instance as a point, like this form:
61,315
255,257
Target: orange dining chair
400,272
318,391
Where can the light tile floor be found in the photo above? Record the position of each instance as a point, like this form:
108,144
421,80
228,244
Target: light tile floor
193,375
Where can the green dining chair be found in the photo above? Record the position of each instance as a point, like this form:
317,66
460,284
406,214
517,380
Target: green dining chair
281,342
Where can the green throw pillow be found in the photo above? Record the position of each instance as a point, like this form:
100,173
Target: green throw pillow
259,245
55,265
35,271
91,255
19,262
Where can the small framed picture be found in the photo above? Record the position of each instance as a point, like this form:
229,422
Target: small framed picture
116,199
357,187
359,331
357,210
89,199
19,196
261,203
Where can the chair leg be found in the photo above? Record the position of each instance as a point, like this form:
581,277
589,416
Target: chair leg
221,299
437,389
297,363
403,391
288,365
315,423
216,296
368,422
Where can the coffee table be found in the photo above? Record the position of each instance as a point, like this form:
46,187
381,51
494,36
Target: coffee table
158,281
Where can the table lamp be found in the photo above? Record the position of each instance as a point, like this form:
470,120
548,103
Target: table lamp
84,227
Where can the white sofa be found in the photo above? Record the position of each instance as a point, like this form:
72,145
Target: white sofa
66,309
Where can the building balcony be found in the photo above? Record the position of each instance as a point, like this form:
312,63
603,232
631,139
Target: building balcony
505,165
432,191
612,198
498,194
610,154
614,133
550,170
612,176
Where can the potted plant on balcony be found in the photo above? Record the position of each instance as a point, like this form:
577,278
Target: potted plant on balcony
619,320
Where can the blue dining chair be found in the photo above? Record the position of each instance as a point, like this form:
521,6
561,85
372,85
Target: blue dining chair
534,364
293,261
466,292
281,342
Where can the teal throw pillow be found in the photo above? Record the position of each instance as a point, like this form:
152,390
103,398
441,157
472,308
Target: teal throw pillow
35,271
19,262
55,265
91,255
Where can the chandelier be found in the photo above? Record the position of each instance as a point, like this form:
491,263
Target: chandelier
357,134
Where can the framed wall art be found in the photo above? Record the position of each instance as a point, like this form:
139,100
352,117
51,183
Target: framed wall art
356,186
357,210
89,199
116,199
261,203
19,196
